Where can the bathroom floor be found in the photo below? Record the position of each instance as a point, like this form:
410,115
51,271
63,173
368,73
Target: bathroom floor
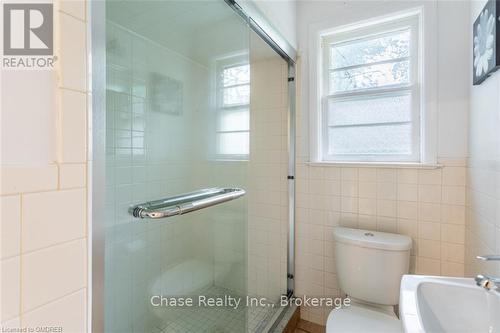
216,319
308,327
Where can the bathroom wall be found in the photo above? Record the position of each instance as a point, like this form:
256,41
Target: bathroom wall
483,182
425,204
43,185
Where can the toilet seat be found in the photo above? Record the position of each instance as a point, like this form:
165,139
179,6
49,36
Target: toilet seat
360,319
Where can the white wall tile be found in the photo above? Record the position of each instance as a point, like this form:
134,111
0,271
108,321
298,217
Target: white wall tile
429,193
10,207
429,230
12,324
454,176
50,218
452,269
387,208
349,188
453,233
73,126
28,179
429,176
76,8
386,175
454,195
69,313
349,174
52,273
387,190
407,192
452,252
11,289
72,175
28,135
367,174
367,189
368,206
429,249
429,212
408,176
72,52
426,266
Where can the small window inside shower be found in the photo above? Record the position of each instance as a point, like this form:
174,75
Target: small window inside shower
232,129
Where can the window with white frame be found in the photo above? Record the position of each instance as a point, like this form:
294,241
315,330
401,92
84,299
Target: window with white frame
370,100
233,108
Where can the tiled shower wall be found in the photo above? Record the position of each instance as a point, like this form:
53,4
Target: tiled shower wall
43,200
268,184
483,187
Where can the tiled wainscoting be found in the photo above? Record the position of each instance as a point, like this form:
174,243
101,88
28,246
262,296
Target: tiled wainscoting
43,202
426,204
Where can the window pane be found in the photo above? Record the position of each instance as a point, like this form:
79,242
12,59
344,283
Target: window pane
236,95
233,143
372,76
375,109
386,139
236,75
367,51
234,120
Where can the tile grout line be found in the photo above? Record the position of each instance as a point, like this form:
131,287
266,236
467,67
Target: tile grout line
84,20
55,245
54,300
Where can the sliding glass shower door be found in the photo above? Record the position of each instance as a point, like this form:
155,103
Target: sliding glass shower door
196,165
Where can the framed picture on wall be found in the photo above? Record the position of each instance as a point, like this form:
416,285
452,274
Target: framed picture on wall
486,45
165,94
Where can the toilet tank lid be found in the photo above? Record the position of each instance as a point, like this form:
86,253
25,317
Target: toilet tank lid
372,239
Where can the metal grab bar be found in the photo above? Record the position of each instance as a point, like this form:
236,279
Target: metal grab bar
185,203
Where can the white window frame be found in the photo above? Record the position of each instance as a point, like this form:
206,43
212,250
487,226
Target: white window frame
228,61
427,74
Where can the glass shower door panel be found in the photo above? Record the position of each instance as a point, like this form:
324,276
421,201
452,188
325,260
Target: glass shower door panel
268,187
163,62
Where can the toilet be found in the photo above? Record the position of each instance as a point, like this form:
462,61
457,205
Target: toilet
369,266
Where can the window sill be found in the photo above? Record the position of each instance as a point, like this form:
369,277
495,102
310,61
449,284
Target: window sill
396,165
227,160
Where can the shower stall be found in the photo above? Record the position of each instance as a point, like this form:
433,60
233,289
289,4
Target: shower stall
192,167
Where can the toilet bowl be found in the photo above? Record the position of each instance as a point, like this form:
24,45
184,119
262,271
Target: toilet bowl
369,267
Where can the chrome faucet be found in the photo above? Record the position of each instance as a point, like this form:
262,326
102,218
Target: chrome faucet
488,282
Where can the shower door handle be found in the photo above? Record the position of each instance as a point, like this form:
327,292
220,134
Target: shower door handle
185,203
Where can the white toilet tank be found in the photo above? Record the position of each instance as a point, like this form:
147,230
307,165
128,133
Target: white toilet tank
370,264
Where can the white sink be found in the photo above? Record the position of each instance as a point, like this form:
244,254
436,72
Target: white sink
446,304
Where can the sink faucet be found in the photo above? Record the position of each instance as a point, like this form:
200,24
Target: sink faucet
488,282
